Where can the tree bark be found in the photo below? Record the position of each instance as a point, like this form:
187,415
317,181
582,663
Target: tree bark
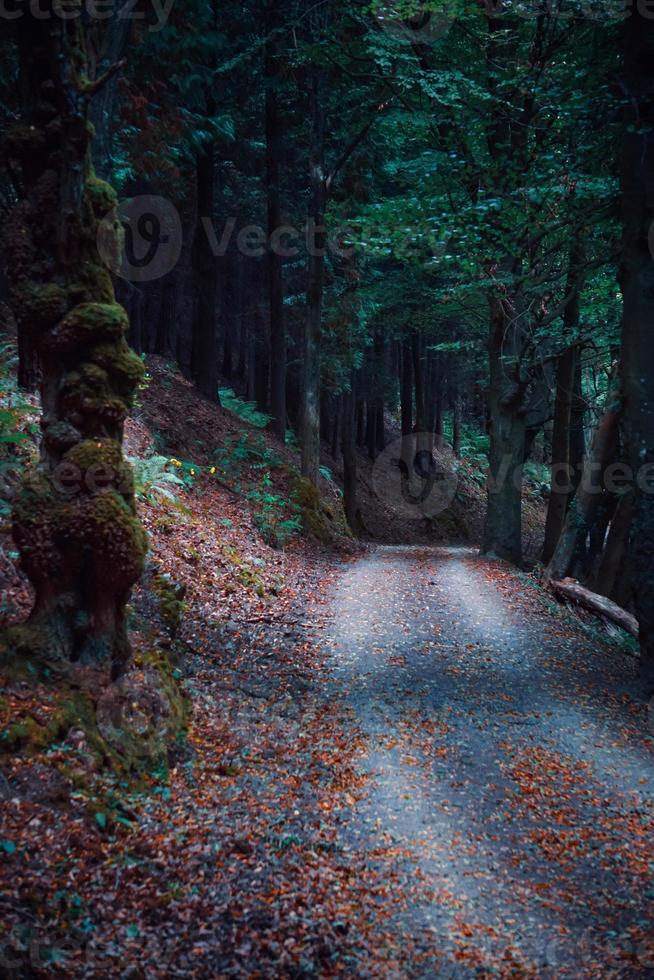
503,526
637,281
274,259
456,425
310,440
350,501
371,430
572,542
569,588
615,551
577,426
361,422
406,405
110,40
561,485
205,281
74,518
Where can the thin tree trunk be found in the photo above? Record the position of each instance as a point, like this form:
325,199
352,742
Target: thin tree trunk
112,36
316,276
406,407
577,427
456,425
205,281
438,422
350,502
572,542
503,527
336,426
274,259
615,551
561,473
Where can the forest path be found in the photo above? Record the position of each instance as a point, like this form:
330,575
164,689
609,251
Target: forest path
510,771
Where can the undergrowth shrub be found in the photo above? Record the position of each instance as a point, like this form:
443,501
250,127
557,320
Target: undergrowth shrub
154,478
246,411
277,518
18,427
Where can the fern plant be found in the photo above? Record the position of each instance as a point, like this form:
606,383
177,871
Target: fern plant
154,478
273,518
17,432
246,411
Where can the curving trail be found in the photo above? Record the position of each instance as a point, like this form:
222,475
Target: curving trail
510,769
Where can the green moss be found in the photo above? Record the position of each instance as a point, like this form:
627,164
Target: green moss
101,196
115,539
124,367
100,463
88,322
170,598
93,285
318,517
41,518
40,306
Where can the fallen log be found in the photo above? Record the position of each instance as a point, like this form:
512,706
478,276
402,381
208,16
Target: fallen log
569,588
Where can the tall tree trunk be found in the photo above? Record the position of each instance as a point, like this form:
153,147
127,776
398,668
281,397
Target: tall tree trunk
337,426
615,550
508,151
350,502
310,440
577,424
572,542
457,413
274,259
406,406
81,544
371,430
561,485
503,527
205,281
438,421
361,422
637,281
419,382
110,39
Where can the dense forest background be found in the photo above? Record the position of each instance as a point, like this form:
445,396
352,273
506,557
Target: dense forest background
327,488
354,216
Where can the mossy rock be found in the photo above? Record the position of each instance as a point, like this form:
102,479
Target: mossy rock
320,518
140,716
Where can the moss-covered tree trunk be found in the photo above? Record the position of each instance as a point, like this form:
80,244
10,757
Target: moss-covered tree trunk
74,519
